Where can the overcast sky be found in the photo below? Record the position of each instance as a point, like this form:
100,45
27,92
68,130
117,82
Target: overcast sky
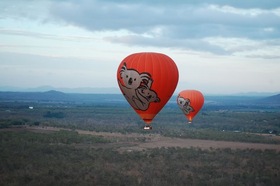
220,47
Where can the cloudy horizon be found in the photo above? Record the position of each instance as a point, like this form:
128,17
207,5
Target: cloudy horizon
220,47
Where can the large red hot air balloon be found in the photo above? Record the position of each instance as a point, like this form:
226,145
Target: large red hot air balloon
190,102
147,80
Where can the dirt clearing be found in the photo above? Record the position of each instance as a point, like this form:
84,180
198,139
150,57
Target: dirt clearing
135,141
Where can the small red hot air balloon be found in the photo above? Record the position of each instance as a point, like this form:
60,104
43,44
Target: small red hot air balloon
190,102
147,81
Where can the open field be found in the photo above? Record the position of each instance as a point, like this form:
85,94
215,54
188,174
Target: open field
137,141
56,156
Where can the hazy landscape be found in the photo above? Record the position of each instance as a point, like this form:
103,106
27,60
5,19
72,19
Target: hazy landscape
56,138
64,65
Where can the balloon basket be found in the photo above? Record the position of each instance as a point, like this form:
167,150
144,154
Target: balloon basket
148,127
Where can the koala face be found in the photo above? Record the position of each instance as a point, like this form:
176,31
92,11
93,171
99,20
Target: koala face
181,101
131,78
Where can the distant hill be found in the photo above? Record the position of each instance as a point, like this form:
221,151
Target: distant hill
51,95
60,97
113,90
214,102
275,100
83,90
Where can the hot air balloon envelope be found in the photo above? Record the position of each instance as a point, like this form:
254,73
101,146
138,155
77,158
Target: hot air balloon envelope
190,102
147,80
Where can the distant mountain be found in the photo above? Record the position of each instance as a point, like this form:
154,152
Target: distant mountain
112,90
51,95
54,96
275,100
211,102
85,90
257,94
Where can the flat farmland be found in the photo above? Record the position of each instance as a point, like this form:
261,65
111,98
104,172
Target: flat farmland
137,141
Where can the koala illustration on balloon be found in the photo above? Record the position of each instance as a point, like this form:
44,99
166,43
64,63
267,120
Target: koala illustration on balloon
136,88
185,105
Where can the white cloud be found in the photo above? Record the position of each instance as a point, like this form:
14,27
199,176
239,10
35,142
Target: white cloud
252,12
247,47
178,25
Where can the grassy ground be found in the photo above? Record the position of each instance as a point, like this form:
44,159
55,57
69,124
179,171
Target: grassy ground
67,157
